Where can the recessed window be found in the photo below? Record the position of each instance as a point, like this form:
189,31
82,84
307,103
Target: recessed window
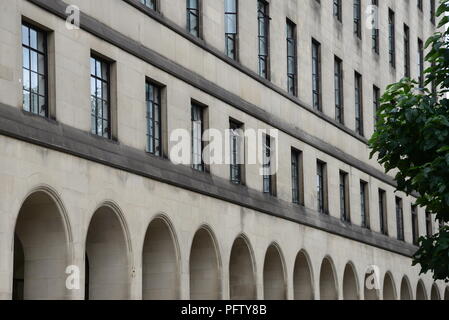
337,9
292,62
399,219
263,35
34,69
344,197
383,218
376,104
149,3
154,116
316,75
338,84
375,29
429,229
100,97
432,11
297,177
193,17
321,188
231,18
391,38
358,104
415,225
358,18
364,205
197,136
421,63
237,151
406,51
269,177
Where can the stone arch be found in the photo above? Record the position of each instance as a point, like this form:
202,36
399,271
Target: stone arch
274,282
108,251
160,261
389,288
303,278
205,266
242,279
435,293
421,291
328,280
350,283
406,289
42,247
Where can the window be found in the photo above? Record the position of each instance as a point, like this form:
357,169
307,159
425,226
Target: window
193,17
100,97
231,18
338,83
344,197
358,104
237,150
429,230
197,136
364,205
321,186
297,177
154,124
399,219
421,63
316,74
34,68
406,51
415,226
375,29
419,4
391,38
383,212
264,26
268,176
376,104
337,9
358,18
432,11
291,58
149,3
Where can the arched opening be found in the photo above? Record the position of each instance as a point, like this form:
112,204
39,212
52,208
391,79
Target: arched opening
205,280
371,285
302,278
328,283
389,291
107,272
160,268
406,290
40,250
420,291
350,284
435,294
446,294
242,283
274,284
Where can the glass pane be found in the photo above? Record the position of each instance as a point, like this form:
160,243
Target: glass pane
42,85
230,5
33,39
105,110
41,64
104,71
42,107
41,41
34,61
231,23
92,86
26,58
98,68
92,66
25,36
26,80
34,83
26,101
98,89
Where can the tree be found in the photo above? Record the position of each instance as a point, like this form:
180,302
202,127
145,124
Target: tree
412,140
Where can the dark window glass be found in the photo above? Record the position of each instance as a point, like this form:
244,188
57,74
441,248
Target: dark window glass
263,34
415,226
193,17
399,219
421,63
34,69
154,127
197,137
291,58
391,38
432,11
429,230
99,94
338,83
406,51
344,197
316,75
296,176
268,177
320,185
231,18
358,18
383,213
358,104
376,103
337,9
149,3
364,205
236,140
419,3
375,29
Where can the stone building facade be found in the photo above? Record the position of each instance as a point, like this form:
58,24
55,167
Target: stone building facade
88,189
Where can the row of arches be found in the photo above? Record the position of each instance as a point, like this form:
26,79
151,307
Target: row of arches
42,252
